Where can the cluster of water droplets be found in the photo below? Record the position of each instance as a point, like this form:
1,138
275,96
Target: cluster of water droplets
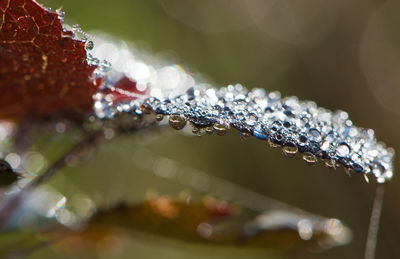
80,35
296,126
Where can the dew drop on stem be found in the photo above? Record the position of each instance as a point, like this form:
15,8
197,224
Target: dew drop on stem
273,144
159,117
289,150
310,158
331,164
209,130
177,122
221,129
89,45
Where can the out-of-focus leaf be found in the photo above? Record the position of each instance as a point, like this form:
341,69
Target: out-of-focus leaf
162,215
210,221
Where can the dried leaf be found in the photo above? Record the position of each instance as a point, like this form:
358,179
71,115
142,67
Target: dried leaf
43,69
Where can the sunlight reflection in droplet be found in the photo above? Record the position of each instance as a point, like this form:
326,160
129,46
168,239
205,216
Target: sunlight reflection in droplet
13,159
138,70
337,231
205,230
167,78
305,229
57,206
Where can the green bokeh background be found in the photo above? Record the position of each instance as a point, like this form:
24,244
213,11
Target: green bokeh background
311,50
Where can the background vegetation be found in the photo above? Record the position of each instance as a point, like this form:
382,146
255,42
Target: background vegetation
341,54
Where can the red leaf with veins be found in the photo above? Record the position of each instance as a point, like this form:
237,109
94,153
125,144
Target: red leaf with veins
43,69
124,90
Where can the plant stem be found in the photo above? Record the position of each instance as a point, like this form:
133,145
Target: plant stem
13,203
372,237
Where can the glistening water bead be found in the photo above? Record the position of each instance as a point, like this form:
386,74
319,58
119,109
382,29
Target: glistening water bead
290,150
331,164
177,122
196,131
221,129
159,117
89,45
209,130
297,126
272,144
251,119
343,150
314,135
309,158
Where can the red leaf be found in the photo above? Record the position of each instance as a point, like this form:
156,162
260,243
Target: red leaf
124,90
43,69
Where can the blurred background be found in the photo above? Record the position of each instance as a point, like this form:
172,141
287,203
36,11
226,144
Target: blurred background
340,54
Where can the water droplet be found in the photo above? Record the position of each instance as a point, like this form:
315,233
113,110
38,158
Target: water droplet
94,61
305,229
366,178
303,140
378,170
357,167
209,130
159,117
380,180
177,122
273,145
195,130
221,129
146,109
343,150
276,126
289,150
60,13
251,119
314,134
89,45
310,158
331,164
325,146
244,134
286,124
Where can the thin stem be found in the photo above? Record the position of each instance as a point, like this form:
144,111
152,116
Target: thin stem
13,203
373,229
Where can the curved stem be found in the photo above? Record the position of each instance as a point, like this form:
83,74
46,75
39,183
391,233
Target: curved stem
13,203
373,229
